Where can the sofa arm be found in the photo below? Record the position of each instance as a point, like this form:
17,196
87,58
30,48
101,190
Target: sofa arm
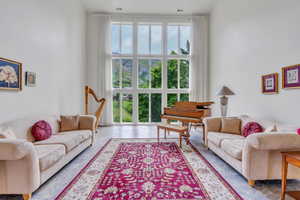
14,149
274,141
211,124
87,122
19,167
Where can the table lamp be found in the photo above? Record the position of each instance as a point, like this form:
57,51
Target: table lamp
225,91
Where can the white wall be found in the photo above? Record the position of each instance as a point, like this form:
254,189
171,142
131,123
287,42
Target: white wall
48,37
250,38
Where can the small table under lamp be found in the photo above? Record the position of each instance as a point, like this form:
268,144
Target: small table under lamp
225,91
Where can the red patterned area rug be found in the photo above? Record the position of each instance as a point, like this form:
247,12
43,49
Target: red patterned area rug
147,170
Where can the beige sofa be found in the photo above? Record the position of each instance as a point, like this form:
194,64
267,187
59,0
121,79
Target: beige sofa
256,157
26,164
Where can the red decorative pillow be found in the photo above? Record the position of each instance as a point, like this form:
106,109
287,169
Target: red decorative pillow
41,130
252,127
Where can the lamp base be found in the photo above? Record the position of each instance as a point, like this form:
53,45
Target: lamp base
224,102
223,110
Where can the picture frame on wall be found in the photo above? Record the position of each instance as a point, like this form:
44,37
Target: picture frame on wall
10,75
30,79
291,76
270,83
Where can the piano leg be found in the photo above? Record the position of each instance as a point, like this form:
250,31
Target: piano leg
180,140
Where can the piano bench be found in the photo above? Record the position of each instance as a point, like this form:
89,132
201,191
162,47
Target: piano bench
183,132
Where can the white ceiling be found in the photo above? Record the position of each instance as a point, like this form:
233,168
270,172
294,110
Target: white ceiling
150,6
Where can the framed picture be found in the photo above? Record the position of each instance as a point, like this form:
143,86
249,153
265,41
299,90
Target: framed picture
30,79
10,75
270,83
291,76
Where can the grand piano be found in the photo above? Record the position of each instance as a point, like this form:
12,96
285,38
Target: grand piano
188,113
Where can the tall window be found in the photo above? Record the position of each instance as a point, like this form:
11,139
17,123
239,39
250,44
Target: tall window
150,68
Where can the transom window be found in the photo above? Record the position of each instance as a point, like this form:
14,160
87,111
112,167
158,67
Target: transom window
150,69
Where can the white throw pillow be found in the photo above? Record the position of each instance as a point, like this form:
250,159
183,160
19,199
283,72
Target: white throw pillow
287,128
268,125
7,134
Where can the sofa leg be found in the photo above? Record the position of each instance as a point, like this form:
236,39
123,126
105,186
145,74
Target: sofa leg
26,196
251,183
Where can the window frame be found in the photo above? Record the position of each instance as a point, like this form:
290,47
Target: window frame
164,57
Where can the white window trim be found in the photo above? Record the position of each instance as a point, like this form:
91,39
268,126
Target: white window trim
135,90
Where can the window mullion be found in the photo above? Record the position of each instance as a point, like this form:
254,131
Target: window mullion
178,74
135,76
150,49
149,107
120,38
121,106
164,64
178,38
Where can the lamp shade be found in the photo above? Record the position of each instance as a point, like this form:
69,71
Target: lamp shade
225,91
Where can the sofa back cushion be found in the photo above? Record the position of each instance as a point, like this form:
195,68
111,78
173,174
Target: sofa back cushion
7,134
22,127
213,124
287,128
69,123
267,125
231,125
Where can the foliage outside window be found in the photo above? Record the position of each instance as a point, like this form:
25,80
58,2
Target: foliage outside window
150,71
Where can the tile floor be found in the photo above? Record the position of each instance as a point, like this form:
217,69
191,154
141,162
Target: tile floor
264,190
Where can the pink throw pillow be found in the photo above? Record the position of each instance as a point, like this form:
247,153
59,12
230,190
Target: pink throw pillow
251,127
41,130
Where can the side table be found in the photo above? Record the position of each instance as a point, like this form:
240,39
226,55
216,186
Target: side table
292,158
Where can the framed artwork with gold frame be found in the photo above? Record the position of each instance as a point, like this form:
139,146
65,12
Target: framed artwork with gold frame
291,76
10,75
269,83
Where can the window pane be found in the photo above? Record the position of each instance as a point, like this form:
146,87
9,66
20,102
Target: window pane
156,68
184,97
115,39
143,107
155,107
184,74
126,73
172,74
156,39
144,74
172,99
127,108
172,40
116,108
116,70
143,39
185,38
127,39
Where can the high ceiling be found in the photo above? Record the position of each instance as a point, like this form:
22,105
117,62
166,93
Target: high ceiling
150,6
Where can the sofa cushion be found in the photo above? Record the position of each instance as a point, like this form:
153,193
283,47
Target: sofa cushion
41,130
267,125
69,123
218,137
49,155
22,127
7,134
69,139
251,128
231,125
233,147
